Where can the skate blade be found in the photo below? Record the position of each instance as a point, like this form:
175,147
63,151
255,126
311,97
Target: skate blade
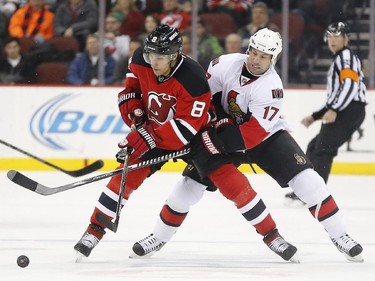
79,257
294,259
357,258
135,256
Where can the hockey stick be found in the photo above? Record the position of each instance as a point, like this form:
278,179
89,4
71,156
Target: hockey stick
100,216
34,186
77,173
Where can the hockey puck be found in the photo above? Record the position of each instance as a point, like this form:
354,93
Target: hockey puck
23,261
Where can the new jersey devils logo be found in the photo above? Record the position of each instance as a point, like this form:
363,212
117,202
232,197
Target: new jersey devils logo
162,107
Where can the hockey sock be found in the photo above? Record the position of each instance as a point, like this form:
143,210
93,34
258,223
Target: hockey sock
133,181
186,193
327,213
235,186
96,230
310,188
171,217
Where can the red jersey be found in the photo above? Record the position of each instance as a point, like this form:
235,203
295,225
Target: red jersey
176,106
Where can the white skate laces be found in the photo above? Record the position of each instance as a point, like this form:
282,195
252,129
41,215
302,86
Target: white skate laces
85,245
351,249
147,247
89,240
280,246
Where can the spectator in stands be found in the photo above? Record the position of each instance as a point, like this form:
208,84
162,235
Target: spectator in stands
150,24
208,45
14,67
4,22
259,19
84,68
133,21
76,18
122,65
32,20
186,44
174,16
53,4
275,6
8,7
185,5
115,43
149,6
238,9
233,43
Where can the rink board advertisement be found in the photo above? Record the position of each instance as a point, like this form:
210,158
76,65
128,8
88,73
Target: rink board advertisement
75,125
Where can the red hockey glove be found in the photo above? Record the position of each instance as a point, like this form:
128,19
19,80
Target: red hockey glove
141,140
138,118
131,107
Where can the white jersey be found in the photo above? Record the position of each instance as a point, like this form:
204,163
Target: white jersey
243,94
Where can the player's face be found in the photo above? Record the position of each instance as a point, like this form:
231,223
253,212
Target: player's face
258,62
336,42
160,64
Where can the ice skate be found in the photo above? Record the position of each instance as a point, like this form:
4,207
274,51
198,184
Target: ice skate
88,241
280,246
293,200
350,248
146,247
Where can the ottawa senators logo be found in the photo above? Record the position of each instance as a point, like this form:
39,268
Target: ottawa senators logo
300,160
161,107
234,109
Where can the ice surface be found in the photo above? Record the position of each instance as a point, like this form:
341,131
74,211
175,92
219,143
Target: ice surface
214,243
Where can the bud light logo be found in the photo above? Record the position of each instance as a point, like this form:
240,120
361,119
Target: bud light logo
61,121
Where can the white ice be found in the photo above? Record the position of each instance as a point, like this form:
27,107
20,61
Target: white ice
214,243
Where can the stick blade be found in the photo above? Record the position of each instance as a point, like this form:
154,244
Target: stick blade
98,164
106,222
28,183
22,180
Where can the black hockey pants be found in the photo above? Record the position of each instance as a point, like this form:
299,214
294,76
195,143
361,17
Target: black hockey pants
324,147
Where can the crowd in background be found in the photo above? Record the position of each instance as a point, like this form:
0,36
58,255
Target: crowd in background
29,29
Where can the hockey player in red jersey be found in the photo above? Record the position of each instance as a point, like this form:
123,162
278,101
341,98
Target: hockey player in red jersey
167,98
248,96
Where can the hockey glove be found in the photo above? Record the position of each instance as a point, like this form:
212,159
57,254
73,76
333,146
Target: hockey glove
140,140
131,107
120,156
222,123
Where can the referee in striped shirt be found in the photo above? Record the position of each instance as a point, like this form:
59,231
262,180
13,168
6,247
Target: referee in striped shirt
344,110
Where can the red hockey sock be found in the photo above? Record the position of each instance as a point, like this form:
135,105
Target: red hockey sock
133,181
233,184
96,228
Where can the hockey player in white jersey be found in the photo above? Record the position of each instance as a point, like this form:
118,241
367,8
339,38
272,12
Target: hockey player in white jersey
248,96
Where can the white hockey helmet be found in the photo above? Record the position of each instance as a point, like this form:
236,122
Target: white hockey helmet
267,41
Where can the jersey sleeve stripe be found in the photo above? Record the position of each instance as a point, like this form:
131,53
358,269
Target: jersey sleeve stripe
178,129
187,126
